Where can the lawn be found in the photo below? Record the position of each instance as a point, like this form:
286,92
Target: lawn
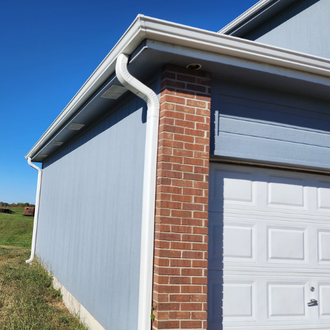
15,229
27,299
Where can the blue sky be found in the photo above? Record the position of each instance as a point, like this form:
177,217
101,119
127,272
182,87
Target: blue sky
49,49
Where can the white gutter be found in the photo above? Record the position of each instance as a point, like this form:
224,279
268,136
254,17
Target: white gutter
149,189
36,211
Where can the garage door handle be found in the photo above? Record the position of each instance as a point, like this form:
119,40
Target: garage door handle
313,302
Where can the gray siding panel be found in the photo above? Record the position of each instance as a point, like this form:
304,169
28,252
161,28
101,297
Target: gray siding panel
303,27
90,216
266,126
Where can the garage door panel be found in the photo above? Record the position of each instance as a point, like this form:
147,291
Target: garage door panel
287,301
285,194
287,244
239,300
324,300
323,196
244,234
235,188
324,246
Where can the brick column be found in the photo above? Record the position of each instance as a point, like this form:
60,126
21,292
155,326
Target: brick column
181,241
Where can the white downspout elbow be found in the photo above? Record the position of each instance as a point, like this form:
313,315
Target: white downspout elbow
149,189
36,211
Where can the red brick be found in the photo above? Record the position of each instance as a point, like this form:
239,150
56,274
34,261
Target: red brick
172,144
185,109
184,123
200,247
169,75
191,324
170,190
168,236
180,298
171,128
161,279
192,206
184,138
199,280
180,246
199,315
162,262
167,253
192,238
187,78
183,168
168,306
180,263
183,214
191,272
191,306
181,229
162,244
197,88
180,280
168,324
179,315
167,288
200,263
173,99
199,297
182,198
192,192
183,152
161,315
173,83
192,255
194,132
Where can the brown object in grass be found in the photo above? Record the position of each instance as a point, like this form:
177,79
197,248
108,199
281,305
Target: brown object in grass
29,211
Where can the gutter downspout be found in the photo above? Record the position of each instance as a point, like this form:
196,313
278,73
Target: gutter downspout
149,189
36,213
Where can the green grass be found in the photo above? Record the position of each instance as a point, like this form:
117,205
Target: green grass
15,229
28,300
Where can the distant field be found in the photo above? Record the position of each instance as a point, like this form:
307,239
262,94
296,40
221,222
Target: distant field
15,229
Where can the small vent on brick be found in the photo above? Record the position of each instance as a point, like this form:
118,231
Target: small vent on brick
194,66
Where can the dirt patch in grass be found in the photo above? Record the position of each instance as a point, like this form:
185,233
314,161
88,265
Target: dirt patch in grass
27,299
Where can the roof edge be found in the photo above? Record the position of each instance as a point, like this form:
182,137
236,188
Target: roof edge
103,71
144,27
233,25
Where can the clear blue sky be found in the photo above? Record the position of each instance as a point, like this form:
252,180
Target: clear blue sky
48,50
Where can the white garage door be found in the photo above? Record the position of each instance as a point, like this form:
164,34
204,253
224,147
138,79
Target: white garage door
269,254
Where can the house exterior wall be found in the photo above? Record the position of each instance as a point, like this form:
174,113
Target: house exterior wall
90,216
269,126
303,27
180,263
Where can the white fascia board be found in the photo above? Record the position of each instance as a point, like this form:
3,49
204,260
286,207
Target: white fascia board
246,15
176,34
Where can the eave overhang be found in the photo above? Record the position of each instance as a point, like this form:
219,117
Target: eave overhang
175,42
